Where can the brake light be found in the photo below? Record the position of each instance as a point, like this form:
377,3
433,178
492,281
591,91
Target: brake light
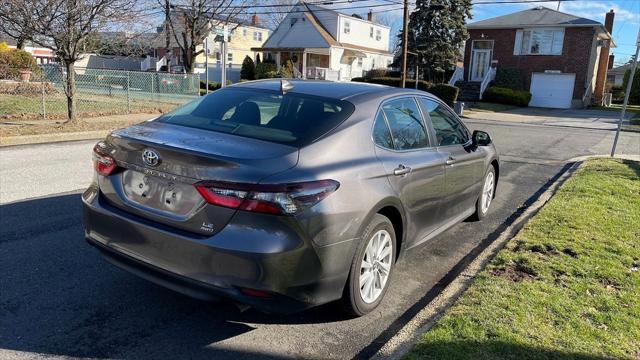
103,163
280,199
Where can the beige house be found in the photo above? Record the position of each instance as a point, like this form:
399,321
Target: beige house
242,36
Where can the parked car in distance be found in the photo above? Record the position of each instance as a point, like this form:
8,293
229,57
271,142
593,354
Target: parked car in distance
283,194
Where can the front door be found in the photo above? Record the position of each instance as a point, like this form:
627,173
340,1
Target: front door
464,168
480,62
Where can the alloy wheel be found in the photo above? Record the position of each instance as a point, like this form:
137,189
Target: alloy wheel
487,192
376,266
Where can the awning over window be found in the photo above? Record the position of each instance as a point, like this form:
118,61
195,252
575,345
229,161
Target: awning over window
354,53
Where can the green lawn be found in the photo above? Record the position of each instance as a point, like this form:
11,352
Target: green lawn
30,107
490,107
567,286
634,109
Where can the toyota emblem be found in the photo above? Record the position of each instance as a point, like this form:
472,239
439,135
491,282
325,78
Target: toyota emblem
150,157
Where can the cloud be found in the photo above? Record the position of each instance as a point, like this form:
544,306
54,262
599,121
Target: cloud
596,10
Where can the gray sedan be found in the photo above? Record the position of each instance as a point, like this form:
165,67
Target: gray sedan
284,195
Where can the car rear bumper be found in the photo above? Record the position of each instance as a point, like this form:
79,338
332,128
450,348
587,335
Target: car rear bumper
268,256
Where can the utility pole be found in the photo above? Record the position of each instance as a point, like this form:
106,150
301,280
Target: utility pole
167,39
626,95
405,37
223,77
206,63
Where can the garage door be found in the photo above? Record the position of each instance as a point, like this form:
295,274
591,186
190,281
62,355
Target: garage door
552,90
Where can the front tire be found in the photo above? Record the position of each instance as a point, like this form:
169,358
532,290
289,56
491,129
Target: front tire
371,268
487,194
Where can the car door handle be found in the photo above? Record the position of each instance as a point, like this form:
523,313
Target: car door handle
451,160
401,170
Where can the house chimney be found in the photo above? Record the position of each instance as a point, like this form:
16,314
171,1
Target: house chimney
370,15
608,21
255,20
604,62
611,58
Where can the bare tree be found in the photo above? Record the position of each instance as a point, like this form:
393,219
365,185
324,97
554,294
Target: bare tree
279,10
63,26
16,30
190,22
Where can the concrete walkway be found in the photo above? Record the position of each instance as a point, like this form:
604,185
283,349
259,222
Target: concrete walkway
582,118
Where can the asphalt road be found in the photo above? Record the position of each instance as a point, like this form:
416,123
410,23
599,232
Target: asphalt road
59,298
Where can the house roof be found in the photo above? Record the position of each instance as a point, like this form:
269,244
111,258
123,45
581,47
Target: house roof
538,16
620,69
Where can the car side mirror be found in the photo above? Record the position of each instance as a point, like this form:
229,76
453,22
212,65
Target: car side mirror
480,138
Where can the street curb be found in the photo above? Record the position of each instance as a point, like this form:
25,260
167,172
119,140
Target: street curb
53,138
404,340
490,121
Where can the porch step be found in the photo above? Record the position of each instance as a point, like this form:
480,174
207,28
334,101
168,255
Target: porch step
469,90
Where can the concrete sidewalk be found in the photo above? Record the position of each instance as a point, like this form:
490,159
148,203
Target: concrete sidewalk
582,118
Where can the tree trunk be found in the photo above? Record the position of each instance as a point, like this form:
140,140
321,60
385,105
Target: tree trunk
70,91
20,43
188,59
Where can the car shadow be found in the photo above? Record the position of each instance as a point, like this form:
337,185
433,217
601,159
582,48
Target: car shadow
60,297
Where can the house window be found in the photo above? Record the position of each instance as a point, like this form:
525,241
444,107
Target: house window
482,44
257,36
542,42
360,62
378,34
347,27
230,57
371,32
244,32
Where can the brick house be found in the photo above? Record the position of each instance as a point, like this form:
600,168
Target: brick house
563,58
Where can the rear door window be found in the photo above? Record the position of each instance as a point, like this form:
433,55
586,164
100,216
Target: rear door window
291,119
405,121
381,132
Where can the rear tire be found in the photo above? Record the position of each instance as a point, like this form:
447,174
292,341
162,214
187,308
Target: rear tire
487,193
371,268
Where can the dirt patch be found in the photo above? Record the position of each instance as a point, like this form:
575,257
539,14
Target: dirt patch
515,273
26,88
569,251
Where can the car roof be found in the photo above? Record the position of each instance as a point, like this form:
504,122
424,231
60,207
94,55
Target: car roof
323,88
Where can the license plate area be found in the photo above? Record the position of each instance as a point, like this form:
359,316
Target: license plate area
160,195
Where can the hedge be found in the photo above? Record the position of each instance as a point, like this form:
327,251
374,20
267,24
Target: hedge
507,96
266,70
510,78
446,93
634,95
248,69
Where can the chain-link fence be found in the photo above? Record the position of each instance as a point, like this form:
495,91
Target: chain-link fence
40,94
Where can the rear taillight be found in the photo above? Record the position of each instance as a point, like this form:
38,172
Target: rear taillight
102,161
281,199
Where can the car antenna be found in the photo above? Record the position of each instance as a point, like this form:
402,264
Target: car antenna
285,86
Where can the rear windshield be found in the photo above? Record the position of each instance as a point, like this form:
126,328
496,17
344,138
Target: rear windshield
290,119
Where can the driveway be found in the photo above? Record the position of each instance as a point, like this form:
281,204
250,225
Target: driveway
60,299
583,118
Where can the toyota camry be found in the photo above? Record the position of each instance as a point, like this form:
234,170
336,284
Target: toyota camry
283,195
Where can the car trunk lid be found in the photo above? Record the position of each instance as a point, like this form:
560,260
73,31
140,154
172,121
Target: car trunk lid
164,191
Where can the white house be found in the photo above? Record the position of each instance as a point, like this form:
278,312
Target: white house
615,76
325,44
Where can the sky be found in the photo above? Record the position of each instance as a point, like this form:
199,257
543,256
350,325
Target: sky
625,26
